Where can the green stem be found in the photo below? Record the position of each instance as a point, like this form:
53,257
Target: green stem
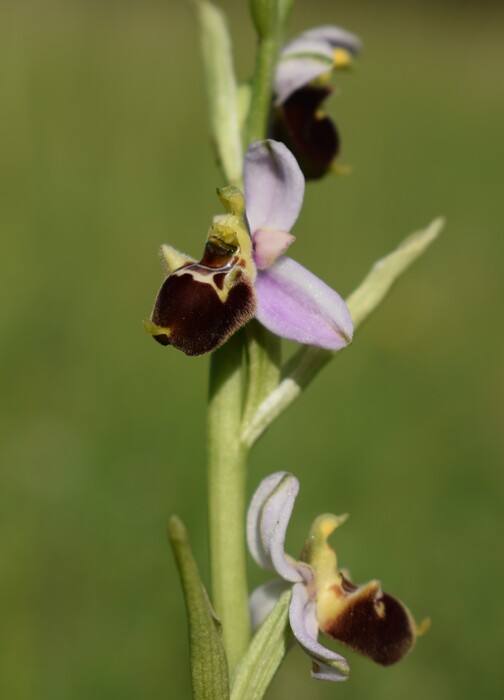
227,487
267,53
227,454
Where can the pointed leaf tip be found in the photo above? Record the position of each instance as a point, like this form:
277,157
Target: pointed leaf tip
221,88
209,670
371,292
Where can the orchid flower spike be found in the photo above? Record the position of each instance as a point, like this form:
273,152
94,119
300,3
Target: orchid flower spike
244,272
301,84
362,617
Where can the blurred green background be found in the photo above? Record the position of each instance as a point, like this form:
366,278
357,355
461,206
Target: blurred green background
104,155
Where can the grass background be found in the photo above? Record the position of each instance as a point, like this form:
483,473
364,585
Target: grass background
105,154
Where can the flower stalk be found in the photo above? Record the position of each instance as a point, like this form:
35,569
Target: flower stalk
237,302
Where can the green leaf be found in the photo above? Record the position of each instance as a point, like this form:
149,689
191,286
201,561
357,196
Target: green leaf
307,362
209,670
371,292
221,89
244,96
265,653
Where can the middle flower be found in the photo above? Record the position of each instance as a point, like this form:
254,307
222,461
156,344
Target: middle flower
244,270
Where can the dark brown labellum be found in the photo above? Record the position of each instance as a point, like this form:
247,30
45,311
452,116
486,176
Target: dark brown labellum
311,136
202,306
374,624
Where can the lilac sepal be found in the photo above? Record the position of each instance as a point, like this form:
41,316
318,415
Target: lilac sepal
327,665
267,520
263,599
295,304
273,186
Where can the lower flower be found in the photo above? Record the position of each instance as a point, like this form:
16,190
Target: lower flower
324,599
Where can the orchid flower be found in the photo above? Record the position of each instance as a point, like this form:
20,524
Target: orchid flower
244,272
323,597
301,84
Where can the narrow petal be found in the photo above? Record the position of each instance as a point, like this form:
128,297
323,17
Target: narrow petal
301,62
274,186
327,665
263,599
297,305
269,245
267,520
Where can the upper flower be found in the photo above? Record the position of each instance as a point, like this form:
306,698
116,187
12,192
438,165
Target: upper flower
362,617
244,273
313,54
301,84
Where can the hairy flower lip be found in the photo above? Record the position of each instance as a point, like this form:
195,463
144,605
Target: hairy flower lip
201,304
